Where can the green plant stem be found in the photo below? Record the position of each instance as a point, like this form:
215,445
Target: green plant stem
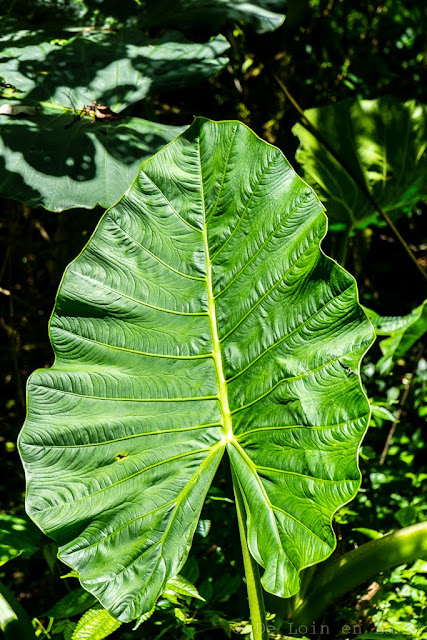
343,574
408,387
362,186
253,582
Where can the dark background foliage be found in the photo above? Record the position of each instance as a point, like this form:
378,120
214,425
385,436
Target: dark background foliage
325,51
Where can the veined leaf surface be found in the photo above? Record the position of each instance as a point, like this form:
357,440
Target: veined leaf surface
201,317
58,161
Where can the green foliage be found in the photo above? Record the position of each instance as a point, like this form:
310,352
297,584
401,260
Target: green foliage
59,156
115,69
401,606
18,536
61,161
172,346
74,603
95,624
402,331
56,156
263,15
382,142
182,587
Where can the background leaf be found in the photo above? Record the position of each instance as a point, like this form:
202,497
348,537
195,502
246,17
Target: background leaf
50,156
402,331
58,161
17,536
72,604
383,142
114,69
263,15
95,624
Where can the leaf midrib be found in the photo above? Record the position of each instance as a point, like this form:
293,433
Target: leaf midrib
216,344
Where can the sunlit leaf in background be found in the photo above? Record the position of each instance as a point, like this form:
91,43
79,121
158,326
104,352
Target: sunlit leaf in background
382,141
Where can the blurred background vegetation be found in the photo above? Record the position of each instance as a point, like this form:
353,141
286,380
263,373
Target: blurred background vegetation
321,53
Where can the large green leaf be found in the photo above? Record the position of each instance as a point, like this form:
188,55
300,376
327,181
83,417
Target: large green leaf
202,316
263,15
51,157
382,141
113,69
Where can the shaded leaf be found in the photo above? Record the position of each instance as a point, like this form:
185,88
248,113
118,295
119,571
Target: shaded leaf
115,69
52,155
58,161
263,15
72,604
201,317
18,536
382,141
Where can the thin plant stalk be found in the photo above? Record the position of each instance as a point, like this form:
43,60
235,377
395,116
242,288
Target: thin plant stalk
253,582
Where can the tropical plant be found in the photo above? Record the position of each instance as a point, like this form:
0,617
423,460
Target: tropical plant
64,142
201,317
402,331
381,149
89,90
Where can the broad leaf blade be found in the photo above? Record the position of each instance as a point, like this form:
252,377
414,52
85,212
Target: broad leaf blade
114,69
382,141
56,160
202,315
52,156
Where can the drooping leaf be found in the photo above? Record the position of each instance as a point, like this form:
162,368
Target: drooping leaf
370,533
50,154
382,412
402,331
201,317
58,161
382,141
18,536
263,15
183,587
95,624
75,602
14,621
115,69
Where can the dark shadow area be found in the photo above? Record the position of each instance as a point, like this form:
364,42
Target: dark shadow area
74,161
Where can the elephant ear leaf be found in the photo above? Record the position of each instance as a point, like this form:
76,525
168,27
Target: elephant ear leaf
201,317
